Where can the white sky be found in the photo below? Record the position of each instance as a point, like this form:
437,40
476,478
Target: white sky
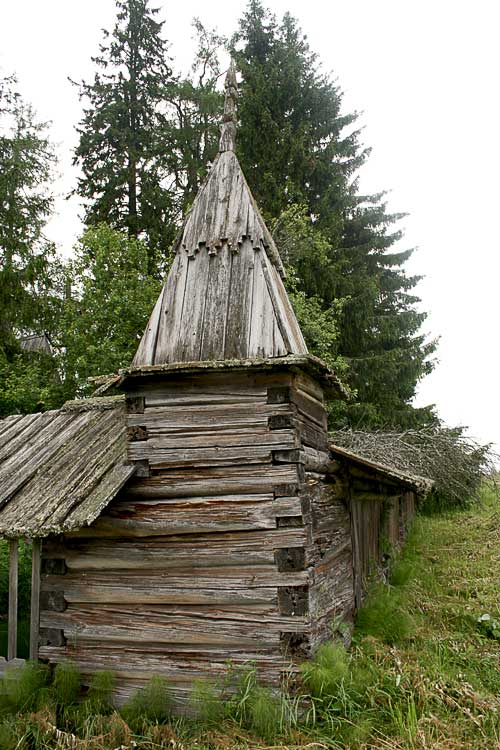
425,75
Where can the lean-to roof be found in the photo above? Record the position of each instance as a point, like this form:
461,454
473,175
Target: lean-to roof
224,297
59,469
421,485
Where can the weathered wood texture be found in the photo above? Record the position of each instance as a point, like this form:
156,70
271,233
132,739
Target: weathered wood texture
36,561
72,458
201,558
329,557
224,297
13,597
380,515
239,538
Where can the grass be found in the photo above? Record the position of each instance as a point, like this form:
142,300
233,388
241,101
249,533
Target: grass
423,672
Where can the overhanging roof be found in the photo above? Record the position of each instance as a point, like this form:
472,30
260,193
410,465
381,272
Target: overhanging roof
421,485
60,469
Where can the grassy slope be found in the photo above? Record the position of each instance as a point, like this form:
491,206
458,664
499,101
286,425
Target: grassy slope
423,673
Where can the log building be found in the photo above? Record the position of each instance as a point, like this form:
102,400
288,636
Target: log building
202,516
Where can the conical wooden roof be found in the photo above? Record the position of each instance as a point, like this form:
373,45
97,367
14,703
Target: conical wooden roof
224,297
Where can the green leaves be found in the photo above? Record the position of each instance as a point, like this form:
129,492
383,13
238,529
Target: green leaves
112,296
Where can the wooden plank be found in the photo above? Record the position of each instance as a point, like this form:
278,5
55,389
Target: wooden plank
159,420
13,596
36,557
191,438
261,339
145,354
170,323
188,348
217,298
239,309
182,625
207,456
192,516
231,480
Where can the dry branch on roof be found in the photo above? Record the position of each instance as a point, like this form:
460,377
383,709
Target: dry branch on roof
456,463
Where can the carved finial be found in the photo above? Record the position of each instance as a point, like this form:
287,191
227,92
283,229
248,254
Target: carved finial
228,128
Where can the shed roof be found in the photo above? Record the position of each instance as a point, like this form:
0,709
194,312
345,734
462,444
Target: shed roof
59,469
224,297
421,485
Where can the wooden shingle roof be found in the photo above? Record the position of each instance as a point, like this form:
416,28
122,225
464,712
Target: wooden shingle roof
224,297
60,469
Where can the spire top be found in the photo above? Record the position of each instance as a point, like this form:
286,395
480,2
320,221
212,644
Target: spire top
228,128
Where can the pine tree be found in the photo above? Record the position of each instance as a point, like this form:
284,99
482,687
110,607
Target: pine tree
123,132
298,148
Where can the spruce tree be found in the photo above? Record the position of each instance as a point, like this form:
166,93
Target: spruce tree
298,148
121,150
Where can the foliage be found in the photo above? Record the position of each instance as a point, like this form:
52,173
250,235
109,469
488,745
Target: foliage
456,463
192,137
489,625
150,704
66,684
24,578
298,148
122,151
100,693
29,382
21,688
383,616
112,295
326,670
26,164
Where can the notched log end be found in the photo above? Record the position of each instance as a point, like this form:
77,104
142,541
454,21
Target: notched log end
295,645
293,600
137,433
135,404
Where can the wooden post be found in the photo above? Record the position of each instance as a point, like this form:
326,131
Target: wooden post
13,574
36,559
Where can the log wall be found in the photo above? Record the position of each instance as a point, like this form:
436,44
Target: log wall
206,555
238,539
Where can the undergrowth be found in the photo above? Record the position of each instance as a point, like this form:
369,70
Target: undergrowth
423,672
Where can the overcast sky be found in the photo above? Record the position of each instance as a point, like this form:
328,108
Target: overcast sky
425,76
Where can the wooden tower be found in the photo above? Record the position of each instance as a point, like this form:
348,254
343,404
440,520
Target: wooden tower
227,424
